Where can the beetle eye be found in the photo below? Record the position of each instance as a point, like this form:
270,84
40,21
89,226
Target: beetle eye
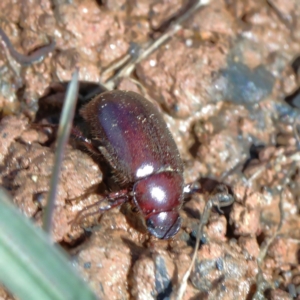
164,225
150,224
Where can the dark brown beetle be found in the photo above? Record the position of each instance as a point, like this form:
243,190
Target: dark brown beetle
130,133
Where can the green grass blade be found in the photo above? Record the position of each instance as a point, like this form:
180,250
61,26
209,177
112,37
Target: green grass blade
63,134
31,267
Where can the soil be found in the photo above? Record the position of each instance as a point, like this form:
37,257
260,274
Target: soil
227,83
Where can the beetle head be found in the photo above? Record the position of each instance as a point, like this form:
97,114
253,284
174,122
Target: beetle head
159,197
164,225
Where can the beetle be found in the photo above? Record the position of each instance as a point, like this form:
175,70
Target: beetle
129,132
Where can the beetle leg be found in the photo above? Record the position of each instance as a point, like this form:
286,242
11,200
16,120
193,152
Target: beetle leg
75,134
85,214
191,188
221,197
116,199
